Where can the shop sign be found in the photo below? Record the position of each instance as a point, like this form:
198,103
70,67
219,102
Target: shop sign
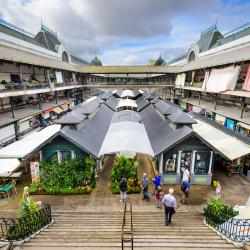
34,170
169,179
200,179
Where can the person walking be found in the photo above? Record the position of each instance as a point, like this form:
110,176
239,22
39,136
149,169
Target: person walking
144,186
186,175
157,182
170,205
185,189
158,197
123,189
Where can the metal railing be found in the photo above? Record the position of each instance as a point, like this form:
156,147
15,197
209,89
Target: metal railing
34,86
127,230
23,227
237,230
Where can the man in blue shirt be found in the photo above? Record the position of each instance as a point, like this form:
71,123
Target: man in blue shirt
185,189
144,184
170,205
157,181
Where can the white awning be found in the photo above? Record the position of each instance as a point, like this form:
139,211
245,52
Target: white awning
180,79
24,147
127,93
126,137
127,103
229,146
223,79
8,166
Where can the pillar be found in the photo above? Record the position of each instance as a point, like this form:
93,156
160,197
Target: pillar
192,162
12,104
210,162
17,131
161,165
40,102
242,106
56,96
179,162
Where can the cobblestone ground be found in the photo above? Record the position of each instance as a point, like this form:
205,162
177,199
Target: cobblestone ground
235,190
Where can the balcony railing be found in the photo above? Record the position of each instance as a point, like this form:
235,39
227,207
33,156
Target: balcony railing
22,228
33,86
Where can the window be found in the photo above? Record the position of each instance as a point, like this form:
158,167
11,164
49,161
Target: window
202,161
170,162
65,155
53,157
65,57
186,157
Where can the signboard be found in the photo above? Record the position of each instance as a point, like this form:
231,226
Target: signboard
59,78
34,170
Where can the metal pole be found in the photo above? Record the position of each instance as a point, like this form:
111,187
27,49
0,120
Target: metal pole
242,106
56,96
12,104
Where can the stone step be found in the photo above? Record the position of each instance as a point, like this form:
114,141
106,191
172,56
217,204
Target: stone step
115,248
221,245
118,239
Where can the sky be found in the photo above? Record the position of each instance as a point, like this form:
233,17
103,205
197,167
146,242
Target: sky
126,32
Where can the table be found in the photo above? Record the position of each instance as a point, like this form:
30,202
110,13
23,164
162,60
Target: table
7,188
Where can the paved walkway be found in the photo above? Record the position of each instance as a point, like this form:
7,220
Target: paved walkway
235,190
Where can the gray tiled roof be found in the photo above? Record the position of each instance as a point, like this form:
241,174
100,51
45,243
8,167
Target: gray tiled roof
88,107
165,108
91,134
180,117
161,135
72,117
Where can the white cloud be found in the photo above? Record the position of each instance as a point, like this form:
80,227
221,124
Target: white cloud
101,27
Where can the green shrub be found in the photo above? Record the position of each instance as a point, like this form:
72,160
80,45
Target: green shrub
217,212
126,167
70,177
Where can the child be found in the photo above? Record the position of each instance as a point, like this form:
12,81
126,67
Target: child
158,196
218,190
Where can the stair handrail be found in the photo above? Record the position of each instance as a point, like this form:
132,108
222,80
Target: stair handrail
16,229
127,235
235,229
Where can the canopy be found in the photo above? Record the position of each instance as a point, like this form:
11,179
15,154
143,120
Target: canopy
223,79
127,93
27,145
180,79
57,110
229,146
7,166
126,137
127,103
246,85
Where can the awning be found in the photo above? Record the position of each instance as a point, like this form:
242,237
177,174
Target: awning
127,103
27,145
65,107
57,110
227,145
180,79
244,125
8,166
126,137
127,93
223,79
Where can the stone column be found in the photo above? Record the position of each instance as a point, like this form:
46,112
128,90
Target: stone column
210,162
192,162
161,165
179,162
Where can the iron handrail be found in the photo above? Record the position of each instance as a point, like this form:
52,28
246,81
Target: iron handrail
23,227
127,235
235,229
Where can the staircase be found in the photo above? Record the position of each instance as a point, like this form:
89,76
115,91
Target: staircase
102,230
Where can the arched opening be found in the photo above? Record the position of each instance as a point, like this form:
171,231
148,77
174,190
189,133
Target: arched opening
65,56
191,56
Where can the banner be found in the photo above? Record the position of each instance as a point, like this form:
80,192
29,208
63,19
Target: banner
34,170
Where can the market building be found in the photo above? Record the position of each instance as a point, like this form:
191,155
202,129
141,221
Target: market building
172,138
